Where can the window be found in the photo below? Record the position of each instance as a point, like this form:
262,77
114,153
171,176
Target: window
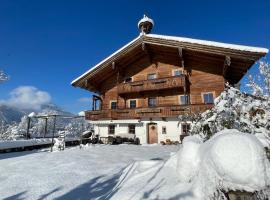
128,80
178,72
131,128
111,129
208,98
151,76
164,131
185,129
132,104
184,99
113,105
152,101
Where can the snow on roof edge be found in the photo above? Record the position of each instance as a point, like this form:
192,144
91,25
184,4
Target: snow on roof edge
180,39
211,43
110,56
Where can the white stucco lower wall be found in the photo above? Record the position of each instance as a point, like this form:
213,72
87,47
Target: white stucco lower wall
173,128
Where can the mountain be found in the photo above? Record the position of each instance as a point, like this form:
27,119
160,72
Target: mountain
10,114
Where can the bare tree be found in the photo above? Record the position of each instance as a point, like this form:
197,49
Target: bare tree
260,83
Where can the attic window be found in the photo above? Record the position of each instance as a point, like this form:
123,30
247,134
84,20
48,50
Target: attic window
128,80
151,76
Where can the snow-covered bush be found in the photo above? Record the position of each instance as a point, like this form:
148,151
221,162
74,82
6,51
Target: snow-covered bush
235,110
230,160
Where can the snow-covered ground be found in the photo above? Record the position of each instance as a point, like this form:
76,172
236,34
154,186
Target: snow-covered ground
92,172
195,170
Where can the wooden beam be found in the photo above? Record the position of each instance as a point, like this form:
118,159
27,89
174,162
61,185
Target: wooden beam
113,65
146,50
180,53
227,63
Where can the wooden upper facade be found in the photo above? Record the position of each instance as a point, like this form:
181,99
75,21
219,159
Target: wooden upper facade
164,77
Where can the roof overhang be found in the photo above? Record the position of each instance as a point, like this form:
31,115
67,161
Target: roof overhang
245,54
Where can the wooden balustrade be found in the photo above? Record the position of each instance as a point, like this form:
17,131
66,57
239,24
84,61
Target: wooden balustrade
151,85
137,113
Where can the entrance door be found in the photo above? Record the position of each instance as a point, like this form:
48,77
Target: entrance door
152,133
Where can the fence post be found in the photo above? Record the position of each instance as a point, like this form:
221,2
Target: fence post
28,127
54,121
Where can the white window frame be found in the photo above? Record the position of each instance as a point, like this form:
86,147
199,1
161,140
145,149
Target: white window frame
111,104
132,100
174,70
180,101
211,92
152,74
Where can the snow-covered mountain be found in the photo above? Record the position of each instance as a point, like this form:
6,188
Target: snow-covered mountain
10,114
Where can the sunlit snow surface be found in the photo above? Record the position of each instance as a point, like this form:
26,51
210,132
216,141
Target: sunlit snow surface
230,160
92,172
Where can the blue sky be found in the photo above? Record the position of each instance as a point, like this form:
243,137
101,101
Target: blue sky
46,44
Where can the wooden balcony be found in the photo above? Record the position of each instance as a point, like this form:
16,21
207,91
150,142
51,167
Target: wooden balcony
138,113
152,85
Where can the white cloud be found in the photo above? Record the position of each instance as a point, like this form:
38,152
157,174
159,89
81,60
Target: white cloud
27,97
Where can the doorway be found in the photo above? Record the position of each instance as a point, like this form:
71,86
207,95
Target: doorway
152,133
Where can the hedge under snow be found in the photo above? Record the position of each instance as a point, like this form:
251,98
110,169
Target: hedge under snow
235,110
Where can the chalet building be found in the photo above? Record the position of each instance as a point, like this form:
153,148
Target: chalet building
145,86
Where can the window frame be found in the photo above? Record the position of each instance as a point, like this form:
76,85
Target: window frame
111,102
155,74
164,130
207,93
174,70
187,99
110,132
132,130
152,106
135,103
185,131
131,79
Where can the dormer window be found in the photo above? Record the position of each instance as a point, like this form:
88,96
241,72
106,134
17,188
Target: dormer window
128,80
151,76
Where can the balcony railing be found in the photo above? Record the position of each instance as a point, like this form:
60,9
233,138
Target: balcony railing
152,85
137,113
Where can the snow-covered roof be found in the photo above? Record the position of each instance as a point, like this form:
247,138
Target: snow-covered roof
243,48
115,53
211,43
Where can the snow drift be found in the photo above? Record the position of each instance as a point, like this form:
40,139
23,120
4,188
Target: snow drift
230,160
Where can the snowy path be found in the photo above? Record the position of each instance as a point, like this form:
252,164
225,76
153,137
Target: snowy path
88,173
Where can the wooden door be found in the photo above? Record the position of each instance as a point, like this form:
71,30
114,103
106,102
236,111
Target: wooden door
152,134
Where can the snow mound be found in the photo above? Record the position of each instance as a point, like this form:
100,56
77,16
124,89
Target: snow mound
231,160
188,158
